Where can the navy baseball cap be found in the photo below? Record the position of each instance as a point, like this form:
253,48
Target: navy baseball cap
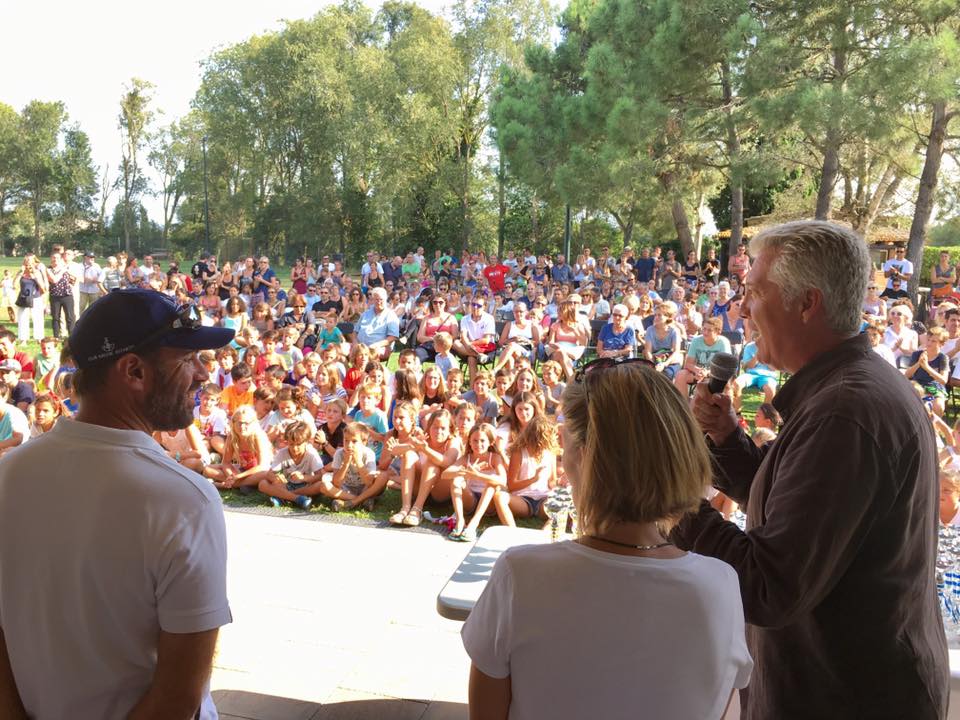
126,320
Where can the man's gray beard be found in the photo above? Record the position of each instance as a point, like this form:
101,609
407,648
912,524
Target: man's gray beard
168,412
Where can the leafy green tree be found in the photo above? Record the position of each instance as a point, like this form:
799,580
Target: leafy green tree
38,157
10,180
76,182
134,124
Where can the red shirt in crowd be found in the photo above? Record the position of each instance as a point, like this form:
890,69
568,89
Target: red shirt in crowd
496,275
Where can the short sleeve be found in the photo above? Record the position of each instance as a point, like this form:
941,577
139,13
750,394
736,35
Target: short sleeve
338,458
393,325
487,633
192,574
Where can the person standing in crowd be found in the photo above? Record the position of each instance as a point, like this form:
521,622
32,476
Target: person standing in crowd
710,268
31,285
496,274
739,263
61,282
158,566
91,282
898,268
837,564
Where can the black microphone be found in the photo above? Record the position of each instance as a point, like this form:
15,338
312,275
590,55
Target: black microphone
723,366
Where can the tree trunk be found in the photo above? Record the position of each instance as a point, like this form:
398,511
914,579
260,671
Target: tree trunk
831,149
37,203
501,203
465,202
828,177
682,225
928,187
733,150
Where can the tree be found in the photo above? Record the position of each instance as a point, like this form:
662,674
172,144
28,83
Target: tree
76,181
40,125
171,149
134,124
10,180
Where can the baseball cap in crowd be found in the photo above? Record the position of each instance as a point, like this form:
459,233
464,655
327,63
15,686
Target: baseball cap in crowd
10,365
89,253
126,320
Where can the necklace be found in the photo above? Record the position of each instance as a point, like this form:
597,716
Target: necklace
631,545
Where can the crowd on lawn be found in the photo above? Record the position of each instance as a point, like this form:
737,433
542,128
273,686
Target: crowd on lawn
301,406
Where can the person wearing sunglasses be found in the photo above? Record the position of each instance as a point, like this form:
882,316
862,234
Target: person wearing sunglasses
898,267
900,336
125,527
478,336
838,559
665,632
437,319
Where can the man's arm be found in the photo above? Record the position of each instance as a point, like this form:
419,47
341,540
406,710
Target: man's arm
815,520
11,706
183,669
489,697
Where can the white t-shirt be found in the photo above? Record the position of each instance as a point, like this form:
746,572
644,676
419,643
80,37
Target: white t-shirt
904,266
472,330
309,464
588,634
215,423
128,543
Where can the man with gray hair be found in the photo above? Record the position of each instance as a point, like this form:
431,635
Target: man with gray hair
837,563
379,326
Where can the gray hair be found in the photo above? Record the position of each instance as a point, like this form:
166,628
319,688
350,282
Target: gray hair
821,255
379,292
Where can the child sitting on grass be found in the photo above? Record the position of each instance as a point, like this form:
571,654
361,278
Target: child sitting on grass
288,404
532,472
552,386
226,358
240,391
475,480
398,462
185,446
246,453
354,473
454,382
444,359
263,405
368,413
359,357
329,435
210,418
293,467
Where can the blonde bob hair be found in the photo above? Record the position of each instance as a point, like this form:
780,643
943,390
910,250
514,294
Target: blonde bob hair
643,456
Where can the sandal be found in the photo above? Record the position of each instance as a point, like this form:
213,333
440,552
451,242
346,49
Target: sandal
413,518
454,535
397,518
467,536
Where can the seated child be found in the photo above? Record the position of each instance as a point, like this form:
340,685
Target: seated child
246,453
368,413
240,391
288,408
354,479
482,396
47,410
442,342
475,479
185,446
454,381
210,419
532,472
949,497
227,357
294,467
329,435
330,334
263,404
552,386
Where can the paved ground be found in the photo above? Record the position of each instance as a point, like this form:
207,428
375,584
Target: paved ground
339,622
334,621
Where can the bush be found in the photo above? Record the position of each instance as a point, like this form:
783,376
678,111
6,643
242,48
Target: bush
931,256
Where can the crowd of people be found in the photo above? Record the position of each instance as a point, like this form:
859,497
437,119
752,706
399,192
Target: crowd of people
481,384
303,405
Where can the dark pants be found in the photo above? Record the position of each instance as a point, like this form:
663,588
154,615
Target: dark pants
65,304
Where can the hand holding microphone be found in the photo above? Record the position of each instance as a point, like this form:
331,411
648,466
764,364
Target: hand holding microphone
713,408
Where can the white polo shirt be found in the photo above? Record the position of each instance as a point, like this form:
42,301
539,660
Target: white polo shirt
104,541
473,330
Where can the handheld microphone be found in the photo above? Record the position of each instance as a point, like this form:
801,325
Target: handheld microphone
723,366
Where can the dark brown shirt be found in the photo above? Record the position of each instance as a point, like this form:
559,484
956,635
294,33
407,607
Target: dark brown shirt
837,565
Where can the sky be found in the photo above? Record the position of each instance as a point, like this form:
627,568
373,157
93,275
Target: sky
83,53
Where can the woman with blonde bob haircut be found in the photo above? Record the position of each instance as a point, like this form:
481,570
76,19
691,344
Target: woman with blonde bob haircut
645,628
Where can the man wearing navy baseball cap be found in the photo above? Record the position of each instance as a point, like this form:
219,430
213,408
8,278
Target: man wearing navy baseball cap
123,591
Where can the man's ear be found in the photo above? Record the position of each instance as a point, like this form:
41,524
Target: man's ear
132,371
811,304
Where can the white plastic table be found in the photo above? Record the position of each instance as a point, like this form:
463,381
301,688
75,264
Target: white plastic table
463,589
